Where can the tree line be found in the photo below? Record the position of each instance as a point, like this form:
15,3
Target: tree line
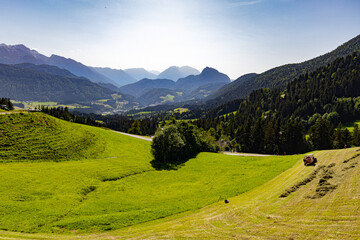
306,115
121,123
6,102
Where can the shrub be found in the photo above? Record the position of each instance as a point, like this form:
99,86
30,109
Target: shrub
176,142
167,144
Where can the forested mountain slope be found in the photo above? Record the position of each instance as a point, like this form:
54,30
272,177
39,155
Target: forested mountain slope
35,85
277,120
280,75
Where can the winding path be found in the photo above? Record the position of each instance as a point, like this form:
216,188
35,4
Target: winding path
246,154
227,153
135,136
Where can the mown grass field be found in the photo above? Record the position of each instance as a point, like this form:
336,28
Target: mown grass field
108,182
261,214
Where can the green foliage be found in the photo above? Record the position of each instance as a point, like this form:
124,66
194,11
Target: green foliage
135,128
342,137
292,137
356,135
277,121
168,145
7,103
320,134
176,142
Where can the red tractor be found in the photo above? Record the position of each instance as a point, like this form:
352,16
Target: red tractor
309,160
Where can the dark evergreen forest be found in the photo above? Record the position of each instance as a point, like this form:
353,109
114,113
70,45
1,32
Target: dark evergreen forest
306,115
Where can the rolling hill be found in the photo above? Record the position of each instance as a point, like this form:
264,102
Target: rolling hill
278,76
262,214
107,195
106,185
38,137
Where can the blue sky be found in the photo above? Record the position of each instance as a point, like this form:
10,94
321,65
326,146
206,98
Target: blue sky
233,36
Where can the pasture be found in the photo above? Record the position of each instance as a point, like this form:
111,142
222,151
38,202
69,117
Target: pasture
108,183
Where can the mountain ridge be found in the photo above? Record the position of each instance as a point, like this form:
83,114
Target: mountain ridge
33,85
16,54
139,73
190,87
282,74
175,72
118,76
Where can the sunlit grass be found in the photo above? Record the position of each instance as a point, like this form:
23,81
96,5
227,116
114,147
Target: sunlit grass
112,184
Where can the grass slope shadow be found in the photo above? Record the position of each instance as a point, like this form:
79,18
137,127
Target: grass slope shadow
160,165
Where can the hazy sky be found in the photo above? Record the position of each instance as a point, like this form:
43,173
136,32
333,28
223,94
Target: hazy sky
233,36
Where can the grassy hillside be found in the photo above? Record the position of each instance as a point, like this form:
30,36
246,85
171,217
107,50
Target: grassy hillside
103,194
262,214
39,137
156,194
113,187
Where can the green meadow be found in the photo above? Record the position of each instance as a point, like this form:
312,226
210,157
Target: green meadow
33,105
92,179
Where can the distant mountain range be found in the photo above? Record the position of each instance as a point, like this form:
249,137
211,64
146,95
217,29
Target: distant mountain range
36,83
118,76
15,54
30,76
159,91
174,73
44,83
140,73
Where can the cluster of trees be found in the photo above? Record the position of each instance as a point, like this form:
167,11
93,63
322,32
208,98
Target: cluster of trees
64,114
7,102
177,141
121,123
116,122
294,120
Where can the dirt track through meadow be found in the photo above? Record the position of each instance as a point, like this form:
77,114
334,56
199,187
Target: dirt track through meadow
135,136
